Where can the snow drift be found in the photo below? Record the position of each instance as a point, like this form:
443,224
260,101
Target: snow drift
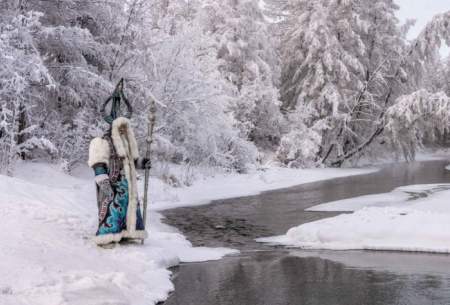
414,218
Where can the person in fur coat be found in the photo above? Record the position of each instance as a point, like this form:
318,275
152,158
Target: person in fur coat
115,158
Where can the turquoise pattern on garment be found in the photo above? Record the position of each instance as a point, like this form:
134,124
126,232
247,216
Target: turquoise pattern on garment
115,221
100,170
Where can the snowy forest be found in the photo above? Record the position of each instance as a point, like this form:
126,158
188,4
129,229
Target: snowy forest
224,152
237,83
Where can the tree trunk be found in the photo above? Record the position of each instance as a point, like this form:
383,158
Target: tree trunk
22,124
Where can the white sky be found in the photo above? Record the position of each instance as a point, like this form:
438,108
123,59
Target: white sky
422,11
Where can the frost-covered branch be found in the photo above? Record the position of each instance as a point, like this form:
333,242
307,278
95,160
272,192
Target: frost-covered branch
416,118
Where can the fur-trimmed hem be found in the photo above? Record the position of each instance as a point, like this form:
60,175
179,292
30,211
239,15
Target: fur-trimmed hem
117,237
108,238
98,152
118,144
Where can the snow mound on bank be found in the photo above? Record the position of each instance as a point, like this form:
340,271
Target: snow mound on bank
47,256
402,196
414,218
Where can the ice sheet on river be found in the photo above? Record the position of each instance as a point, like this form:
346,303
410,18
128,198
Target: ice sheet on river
413,218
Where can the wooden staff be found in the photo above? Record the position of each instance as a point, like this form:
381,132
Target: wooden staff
148,140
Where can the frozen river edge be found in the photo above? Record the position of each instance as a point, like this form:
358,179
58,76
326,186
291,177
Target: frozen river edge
48,257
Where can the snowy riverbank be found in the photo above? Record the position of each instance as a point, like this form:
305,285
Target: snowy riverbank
411,218
48,218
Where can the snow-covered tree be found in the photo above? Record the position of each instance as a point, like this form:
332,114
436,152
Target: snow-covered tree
71,43
161,48
23,77
384,46
322,70
194,125
436,75
342,67
311,82
249,63
411,69
416,118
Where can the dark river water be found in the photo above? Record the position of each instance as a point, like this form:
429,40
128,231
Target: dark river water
264,275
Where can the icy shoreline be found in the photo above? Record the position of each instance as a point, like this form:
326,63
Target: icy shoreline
206,190
48,217
413,218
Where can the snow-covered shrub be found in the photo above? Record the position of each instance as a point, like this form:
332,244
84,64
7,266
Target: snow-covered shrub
301,145
415,118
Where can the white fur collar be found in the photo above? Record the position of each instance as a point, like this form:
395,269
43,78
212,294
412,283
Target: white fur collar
117,140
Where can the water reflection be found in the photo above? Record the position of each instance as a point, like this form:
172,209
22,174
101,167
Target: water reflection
281,278
384,261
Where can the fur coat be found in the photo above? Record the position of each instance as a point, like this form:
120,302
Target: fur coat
114,159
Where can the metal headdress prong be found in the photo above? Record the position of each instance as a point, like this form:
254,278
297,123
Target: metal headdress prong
116,97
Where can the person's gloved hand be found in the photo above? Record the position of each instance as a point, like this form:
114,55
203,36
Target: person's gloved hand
143,163
147,163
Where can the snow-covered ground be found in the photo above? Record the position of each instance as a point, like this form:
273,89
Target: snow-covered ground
48,218
224,186
411,218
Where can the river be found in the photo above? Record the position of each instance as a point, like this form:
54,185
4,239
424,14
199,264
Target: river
265,275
